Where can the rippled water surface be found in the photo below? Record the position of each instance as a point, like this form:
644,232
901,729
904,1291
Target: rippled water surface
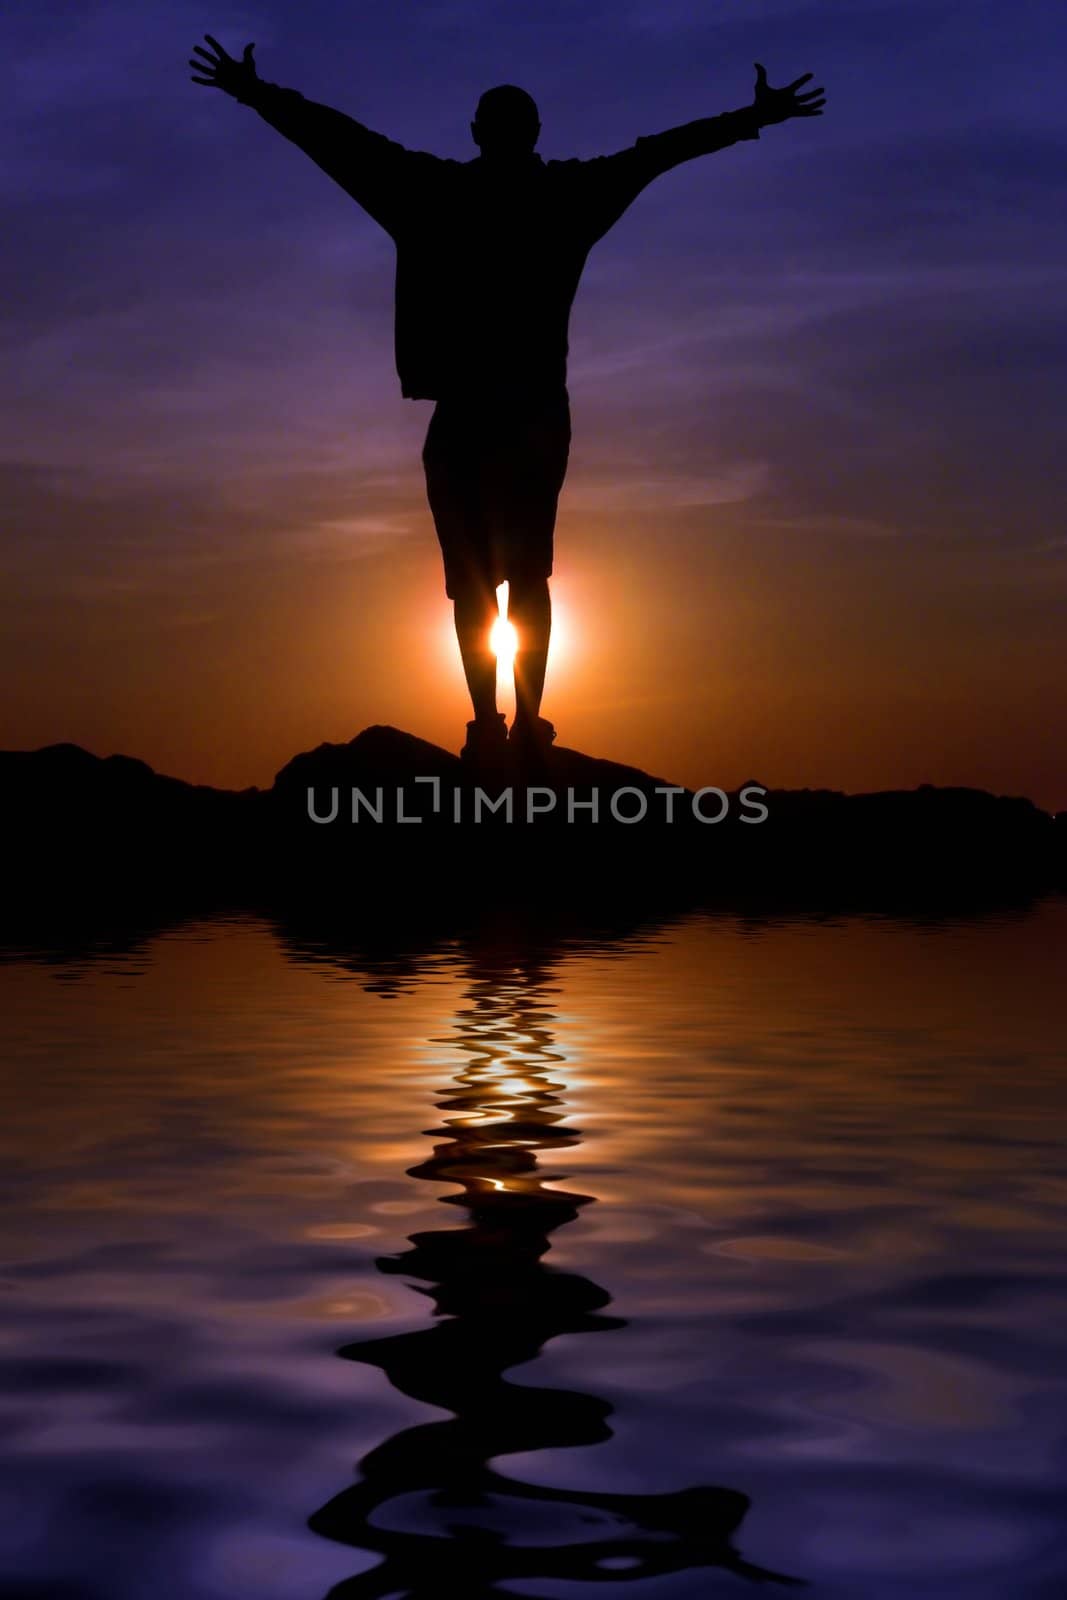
643,1262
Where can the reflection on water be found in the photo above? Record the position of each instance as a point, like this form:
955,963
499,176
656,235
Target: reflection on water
810,1327
431,1499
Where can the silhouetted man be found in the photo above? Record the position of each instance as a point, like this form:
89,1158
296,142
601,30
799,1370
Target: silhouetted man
489,254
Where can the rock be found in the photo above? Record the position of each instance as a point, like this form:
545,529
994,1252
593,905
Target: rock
389,813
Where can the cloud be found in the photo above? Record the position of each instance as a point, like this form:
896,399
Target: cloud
86,531
672,17
835,526
631,490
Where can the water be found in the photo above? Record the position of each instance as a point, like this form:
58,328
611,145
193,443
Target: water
520,1261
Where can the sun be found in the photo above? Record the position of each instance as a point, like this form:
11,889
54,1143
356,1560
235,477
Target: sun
504,642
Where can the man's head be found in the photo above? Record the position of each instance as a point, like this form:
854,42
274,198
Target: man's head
506,122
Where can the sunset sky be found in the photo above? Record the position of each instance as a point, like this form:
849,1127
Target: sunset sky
813,531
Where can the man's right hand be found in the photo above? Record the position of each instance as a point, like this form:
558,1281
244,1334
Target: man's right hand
217,70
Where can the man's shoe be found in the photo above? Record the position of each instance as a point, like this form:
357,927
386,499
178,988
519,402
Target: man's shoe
531,739
487,739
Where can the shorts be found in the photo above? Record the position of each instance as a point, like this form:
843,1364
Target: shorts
494,470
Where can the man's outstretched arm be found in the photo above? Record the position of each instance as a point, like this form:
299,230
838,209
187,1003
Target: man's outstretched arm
367,165
626,173
661,151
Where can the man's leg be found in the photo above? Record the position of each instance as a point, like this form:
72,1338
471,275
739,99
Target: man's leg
526,508
475,609
450,457
530,612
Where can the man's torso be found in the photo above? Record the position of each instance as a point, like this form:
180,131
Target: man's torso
488,264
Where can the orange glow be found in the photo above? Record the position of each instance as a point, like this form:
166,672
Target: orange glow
773,673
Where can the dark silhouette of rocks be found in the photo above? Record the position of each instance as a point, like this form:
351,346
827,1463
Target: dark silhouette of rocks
398,815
